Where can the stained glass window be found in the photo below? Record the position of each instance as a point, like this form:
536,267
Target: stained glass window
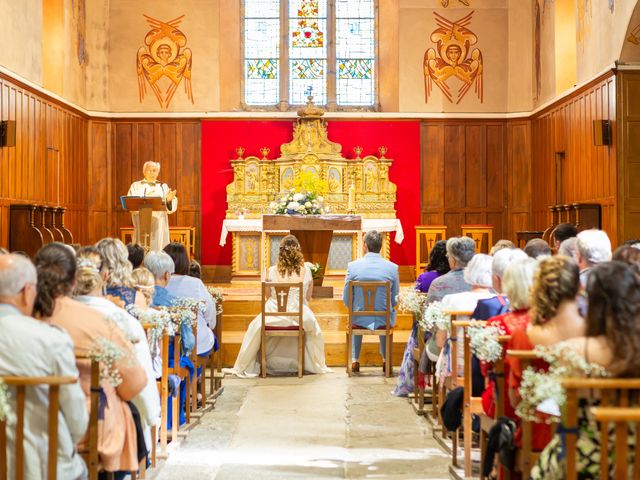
322,39
262,52
355,52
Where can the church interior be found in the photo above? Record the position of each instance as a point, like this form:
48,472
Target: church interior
290,239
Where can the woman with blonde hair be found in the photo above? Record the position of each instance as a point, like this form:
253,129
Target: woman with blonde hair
116,262
282,352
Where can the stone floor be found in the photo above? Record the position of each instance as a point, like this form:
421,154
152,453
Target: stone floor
322,426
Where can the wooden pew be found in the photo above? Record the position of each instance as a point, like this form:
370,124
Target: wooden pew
612,392
90,452
418,393
621,417
21,384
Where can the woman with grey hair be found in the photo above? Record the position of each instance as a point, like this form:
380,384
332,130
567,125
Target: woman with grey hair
516,284
119,284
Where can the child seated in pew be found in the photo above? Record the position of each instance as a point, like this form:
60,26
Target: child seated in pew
611,340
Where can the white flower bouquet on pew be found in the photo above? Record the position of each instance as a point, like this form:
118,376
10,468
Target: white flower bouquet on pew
6,413
542,392
217,294
434,318
484,341
410,300
108,354
160,322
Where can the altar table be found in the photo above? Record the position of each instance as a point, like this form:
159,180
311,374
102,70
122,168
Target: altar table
255,248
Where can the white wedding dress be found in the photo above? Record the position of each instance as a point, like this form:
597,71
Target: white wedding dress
282,352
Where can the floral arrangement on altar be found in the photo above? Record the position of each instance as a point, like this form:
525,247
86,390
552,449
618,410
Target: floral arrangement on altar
6,414
410,300
306,198
217,295
434,317
316,269
107,353
542,392
484,341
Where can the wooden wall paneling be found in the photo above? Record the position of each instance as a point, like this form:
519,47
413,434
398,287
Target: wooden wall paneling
454,165
518,178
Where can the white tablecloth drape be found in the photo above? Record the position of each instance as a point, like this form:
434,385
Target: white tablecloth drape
255,225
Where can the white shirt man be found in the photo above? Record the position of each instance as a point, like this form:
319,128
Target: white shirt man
151,187
29,347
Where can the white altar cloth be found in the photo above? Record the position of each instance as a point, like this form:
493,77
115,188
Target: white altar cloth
255,225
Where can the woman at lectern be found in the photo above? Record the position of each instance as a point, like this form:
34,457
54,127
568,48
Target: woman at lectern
151,187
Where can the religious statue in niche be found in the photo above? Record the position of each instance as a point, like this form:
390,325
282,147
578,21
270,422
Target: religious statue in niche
164,62
453,58
445,3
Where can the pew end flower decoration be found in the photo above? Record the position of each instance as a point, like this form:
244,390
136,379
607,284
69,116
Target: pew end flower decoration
108,354
6,413
160,322
217,295
542,392
484,341
434,317
412,301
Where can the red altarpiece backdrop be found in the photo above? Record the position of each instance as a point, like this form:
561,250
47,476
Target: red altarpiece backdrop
221,138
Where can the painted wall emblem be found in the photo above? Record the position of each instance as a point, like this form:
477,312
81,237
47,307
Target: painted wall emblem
453,66
164,61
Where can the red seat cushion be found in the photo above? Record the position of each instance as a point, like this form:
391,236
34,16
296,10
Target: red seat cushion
291,327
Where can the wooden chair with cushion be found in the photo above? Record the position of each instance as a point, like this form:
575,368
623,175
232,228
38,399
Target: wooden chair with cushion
21,384
282,292
369,290
621,417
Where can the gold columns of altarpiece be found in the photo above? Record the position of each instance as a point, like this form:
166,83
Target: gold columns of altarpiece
259,181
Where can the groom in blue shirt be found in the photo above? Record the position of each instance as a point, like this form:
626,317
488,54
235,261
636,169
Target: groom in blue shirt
371,268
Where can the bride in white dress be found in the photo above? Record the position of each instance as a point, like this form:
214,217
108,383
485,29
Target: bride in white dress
282,352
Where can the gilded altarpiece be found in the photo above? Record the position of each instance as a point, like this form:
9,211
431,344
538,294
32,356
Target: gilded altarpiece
360,185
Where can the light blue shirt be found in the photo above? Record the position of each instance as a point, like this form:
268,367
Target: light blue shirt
372,268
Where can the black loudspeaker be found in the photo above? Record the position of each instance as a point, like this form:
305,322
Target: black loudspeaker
602,132
8,133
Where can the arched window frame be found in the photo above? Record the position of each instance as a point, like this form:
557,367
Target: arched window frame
283,86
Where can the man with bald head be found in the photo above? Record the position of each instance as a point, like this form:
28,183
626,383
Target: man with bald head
29,347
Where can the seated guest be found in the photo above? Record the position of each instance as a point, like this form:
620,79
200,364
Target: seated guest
500,245
537,247
477,274
371,268
629,255
554,317
460,251
182,285
563,232
116,260
569,248
144,283
611,340
438,265
516,283
161,266
31,348
594,247
136,254
117,442
90,276
495,305
634,242
282,352
194,269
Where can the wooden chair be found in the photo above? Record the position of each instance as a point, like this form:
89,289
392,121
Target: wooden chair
426,238
21,384
90,452
369,290
282,291
611,392
621,417
487,422
481,234
183,373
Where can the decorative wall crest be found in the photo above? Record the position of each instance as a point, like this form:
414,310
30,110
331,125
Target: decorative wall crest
164,61
453,57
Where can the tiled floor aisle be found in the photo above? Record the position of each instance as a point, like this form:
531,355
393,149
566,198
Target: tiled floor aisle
323,426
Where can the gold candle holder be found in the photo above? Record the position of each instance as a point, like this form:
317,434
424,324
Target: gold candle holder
265,151
240,151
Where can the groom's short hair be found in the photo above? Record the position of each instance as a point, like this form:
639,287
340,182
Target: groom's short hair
373,240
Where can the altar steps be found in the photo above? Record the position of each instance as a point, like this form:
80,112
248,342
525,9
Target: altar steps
332,315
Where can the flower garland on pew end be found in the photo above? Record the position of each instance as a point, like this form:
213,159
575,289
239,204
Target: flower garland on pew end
217,295
160,322
484,342
434,317
108,354
542,392
6,413
412,301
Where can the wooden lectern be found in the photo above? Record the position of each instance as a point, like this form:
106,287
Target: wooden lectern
314,232
145,206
